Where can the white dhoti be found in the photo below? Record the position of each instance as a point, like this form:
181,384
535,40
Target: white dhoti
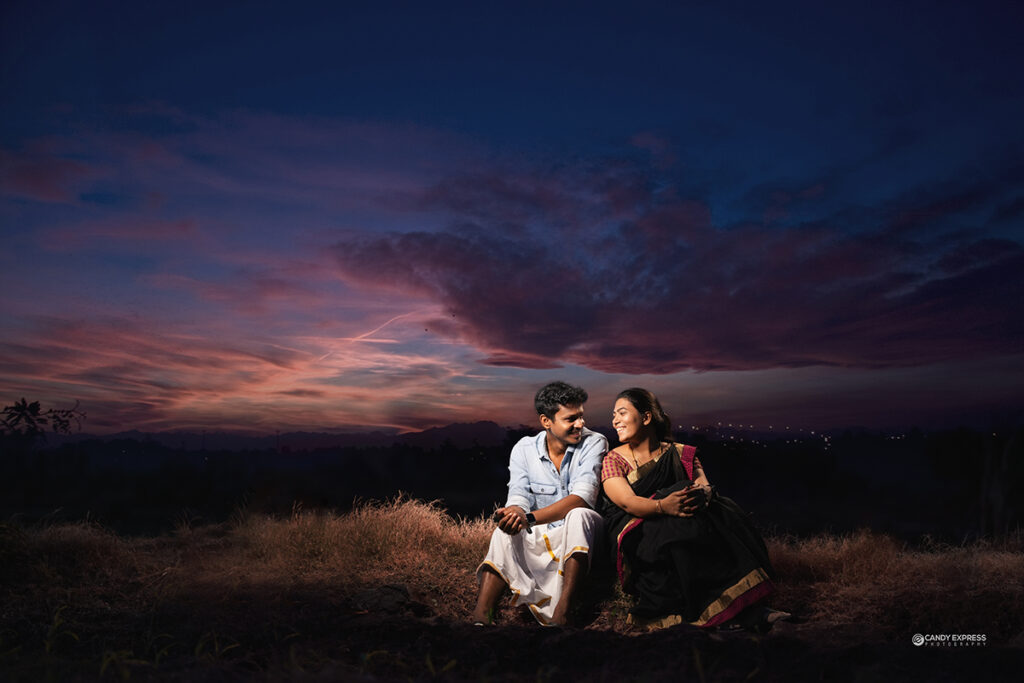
531,562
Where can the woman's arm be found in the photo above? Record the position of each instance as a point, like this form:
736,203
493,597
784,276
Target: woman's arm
621,493
698,494
699,478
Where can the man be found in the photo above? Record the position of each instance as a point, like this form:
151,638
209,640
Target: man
541,547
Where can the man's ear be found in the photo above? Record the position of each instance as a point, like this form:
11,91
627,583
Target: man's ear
545,422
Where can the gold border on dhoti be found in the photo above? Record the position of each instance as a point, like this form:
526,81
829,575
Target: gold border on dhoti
547,542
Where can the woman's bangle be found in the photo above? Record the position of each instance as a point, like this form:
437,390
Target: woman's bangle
658,502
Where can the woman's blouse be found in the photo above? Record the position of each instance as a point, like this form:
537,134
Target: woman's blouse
616,465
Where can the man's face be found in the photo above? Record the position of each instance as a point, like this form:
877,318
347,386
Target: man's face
566,425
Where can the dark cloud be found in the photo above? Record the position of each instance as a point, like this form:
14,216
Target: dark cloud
929,208
662,289
302,393
498,289
507,198
1012,210
520,360
774,201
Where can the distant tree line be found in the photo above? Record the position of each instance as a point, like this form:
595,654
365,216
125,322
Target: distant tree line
952,483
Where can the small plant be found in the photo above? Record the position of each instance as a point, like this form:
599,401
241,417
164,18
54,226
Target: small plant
368,660
120,661
57,631
203,649
185,522
8,651
434,671
158,647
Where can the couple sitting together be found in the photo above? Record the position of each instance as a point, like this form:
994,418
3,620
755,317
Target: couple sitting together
684,552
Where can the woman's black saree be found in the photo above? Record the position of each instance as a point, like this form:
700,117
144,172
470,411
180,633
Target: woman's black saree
701,570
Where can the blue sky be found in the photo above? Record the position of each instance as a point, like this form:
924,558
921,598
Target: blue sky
262,216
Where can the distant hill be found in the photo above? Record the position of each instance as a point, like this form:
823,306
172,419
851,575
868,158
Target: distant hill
460,435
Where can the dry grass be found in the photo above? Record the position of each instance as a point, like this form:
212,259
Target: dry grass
403,541
869,579
275,595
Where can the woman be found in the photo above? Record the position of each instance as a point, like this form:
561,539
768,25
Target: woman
687,554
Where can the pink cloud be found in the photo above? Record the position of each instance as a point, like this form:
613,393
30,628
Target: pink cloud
143,374
444,272
238,162
245,290
40,177
122,230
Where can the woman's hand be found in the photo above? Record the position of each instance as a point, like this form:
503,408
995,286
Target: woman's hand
687,502
696,497
674,504
682,503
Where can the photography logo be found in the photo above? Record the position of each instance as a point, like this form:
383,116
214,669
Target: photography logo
949,639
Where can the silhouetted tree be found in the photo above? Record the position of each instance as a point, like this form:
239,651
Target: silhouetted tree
23,423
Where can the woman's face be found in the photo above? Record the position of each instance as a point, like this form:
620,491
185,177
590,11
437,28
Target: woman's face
627,422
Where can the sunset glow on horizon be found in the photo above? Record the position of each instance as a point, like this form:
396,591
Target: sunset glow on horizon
328,218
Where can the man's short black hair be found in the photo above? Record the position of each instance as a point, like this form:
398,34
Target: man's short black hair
556,394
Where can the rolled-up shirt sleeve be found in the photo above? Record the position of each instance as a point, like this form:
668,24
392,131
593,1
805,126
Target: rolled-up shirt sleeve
585,482
519,480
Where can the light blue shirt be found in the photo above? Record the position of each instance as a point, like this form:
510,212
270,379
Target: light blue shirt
535,483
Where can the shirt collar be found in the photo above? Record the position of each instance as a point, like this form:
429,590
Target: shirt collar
542,447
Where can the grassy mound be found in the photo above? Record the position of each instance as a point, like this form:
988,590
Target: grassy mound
382,593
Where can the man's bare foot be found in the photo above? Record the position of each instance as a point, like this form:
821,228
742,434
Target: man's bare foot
559,618
491,588
482,619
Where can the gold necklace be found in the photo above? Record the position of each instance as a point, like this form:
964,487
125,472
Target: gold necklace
654,455
636,465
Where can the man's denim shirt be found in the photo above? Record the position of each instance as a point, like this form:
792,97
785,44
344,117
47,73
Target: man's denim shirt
535,483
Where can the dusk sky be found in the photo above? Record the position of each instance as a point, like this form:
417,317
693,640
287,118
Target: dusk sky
353,216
